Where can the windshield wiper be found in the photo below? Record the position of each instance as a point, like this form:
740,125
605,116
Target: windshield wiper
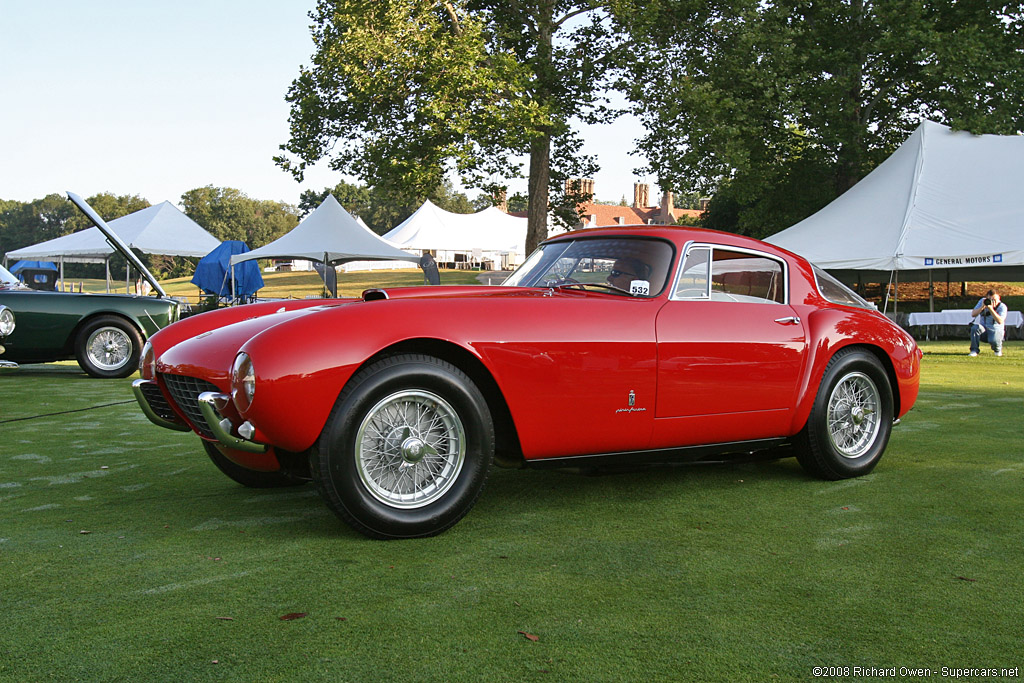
566,284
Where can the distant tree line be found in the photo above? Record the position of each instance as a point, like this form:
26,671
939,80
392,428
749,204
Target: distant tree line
225,212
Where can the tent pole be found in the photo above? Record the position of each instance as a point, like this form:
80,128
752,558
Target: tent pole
62,272
931,293
896,294
232,266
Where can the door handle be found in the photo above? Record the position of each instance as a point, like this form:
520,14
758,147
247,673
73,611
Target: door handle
791,320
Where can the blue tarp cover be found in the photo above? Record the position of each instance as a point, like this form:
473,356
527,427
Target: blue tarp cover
22,265
211,269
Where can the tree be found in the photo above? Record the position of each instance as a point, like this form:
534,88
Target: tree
26,223
778,106
228,214
400,92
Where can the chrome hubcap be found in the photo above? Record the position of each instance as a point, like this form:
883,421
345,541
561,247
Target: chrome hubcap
854,415
108,348
413,450
410,448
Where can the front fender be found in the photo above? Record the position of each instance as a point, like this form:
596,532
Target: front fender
301,366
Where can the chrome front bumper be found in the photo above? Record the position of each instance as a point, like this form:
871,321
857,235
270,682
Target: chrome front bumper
156,408
210,403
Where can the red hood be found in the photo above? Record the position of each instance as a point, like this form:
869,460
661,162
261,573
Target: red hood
205,346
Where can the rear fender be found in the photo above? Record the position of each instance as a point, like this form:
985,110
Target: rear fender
837,329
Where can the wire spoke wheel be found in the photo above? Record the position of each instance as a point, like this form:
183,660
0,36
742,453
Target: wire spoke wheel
108,348
854,408
410,449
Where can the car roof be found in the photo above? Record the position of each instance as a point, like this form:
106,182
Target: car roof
678,234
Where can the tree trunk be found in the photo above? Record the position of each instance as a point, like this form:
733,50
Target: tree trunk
537,209
851,152
540,146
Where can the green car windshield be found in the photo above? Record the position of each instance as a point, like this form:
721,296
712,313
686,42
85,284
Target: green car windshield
8,281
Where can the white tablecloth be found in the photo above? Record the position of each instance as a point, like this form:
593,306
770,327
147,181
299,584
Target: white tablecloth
958,317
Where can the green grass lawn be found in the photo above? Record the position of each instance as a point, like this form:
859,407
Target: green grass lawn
125,555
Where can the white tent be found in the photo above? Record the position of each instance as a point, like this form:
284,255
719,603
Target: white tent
159,229
329,235
945,203
488,235
434,228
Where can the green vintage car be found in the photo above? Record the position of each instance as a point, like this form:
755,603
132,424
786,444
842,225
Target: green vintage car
104,332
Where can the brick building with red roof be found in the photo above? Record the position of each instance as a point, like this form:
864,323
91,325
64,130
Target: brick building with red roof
640,212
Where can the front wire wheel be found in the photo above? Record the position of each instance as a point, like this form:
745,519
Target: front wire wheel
410,449
851,420
407,448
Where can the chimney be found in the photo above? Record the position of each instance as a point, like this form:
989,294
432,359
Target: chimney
641,195
667,213
501,199
580,185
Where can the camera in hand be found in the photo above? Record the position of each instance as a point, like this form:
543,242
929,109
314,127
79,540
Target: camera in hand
988,302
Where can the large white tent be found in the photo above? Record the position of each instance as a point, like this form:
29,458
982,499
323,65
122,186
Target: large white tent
948,205
433,228
490,235
159,229
329,235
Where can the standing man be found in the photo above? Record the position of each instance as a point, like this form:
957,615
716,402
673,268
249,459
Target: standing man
988,327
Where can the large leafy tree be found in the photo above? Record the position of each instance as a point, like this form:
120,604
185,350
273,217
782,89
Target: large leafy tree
778,106
401,92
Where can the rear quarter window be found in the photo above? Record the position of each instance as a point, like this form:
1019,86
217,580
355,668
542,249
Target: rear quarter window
835,291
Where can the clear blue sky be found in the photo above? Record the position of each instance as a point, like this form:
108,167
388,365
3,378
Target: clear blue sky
155,99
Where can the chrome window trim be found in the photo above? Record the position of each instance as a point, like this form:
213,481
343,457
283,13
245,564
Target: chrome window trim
693,244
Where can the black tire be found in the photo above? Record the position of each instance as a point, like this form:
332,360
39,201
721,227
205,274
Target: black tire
407,448
254,479
856,390
108,347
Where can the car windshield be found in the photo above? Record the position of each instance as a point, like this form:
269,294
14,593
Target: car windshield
8,281
637,266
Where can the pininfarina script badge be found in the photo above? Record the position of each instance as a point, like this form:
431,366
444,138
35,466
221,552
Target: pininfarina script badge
632,405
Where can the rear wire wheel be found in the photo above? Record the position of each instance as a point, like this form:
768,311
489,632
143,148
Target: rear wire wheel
851,420
407,448
108,346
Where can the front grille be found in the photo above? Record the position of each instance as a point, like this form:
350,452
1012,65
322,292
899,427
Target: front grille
185,392
157,403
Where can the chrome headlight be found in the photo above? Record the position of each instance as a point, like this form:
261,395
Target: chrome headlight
243,382
6,321
147,362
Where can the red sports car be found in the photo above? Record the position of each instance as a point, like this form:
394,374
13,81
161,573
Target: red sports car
607,347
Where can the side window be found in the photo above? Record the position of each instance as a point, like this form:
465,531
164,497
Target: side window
693,281
739,276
